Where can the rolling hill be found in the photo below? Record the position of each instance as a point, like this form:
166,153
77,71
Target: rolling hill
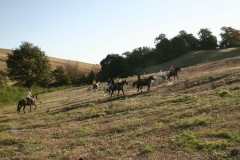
82,66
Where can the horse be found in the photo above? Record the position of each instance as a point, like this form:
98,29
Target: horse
146,82
170,74
27,102
159,79
134,84
117,86
106,88
94,87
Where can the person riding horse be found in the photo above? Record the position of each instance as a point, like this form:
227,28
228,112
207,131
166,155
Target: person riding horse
29,96
172,69
144,76
117,81
109,82
94,84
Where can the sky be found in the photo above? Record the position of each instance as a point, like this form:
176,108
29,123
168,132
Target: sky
89,30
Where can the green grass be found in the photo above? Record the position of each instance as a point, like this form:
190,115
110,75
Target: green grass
188,123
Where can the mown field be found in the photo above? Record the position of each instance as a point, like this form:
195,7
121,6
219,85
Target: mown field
195,117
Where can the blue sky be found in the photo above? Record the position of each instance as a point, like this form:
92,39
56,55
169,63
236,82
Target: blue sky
89,30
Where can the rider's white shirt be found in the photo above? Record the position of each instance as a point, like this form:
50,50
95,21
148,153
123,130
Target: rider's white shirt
29,94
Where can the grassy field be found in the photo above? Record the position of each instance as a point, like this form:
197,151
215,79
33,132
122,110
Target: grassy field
194,117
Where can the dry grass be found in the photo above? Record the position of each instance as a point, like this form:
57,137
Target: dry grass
195,117
82,66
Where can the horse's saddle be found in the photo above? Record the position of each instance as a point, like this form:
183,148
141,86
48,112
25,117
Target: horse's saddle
29,100
163,77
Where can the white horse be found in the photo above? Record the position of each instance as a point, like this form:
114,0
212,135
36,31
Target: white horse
93,87
106,88
161,78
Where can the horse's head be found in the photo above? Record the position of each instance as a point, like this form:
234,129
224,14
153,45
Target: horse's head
177,69
35,96
124,82
151,78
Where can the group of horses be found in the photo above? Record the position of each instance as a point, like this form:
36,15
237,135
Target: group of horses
112,88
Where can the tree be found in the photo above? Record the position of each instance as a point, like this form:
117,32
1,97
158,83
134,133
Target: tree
191,40
179,46
159,38
230,37
60,77
28,65
91,76
113,65
164,48
206,40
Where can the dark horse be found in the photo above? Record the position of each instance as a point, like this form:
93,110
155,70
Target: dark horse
27,102
175,73
145,82
117,86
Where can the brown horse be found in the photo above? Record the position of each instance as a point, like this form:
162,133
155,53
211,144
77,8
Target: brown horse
27,102
145,82
117,86
170,74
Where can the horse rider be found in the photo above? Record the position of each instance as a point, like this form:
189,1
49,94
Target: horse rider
172,69
139,78
160,73
112,81
109,82
144,76
29,96
118,80
94,83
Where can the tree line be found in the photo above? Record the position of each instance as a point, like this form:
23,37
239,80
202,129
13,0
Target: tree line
114,65
28,65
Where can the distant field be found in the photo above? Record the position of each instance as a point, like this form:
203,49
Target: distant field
84,67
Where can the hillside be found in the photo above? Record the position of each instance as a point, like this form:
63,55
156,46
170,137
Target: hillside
196,58
83,67
195,117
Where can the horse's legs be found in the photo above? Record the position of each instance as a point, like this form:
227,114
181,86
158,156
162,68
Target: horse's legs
123,92
24,108
141,89
148,87
18,107
112,93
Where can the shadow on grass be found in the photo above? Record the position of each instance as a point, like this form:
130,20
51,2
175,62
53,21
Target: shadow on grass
76,105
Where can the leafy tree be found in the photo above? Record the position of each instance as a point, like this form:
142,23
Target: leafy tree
91,76
179,46
28,65
60,77
206,40
159,38
113,65
191,40
230,37
164,48
135,59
